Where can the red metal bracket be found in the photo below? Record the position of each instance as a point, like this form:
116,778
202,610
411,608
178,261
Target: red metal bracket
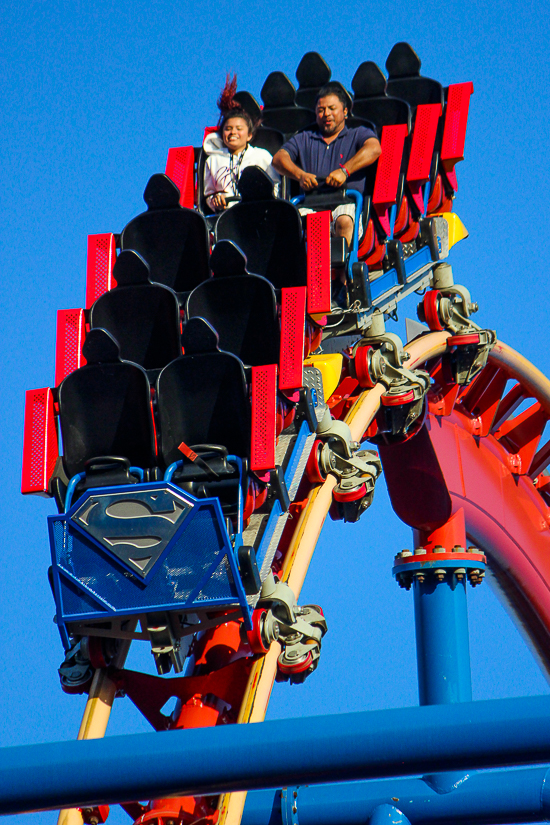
180,167
264,417
40,447
99,271
422,148
318,262
293,317
454,133
71,331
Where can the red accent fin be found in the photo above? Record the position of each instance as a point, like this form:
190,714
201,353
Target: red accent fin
318,262
291,358
187,451
40,447
454,133
264,417
389,165
415,188
384,217
71,331
423,141
100,263
180,168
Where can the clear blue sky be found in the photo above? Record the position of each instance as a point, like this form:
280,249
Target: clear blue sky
94,96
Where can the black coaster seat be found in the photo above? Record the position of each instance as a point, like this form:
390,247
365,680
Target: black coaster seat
141,316
405,80
173,240
202,397
241,307
280,109
267,229
312,73
371,101
105,409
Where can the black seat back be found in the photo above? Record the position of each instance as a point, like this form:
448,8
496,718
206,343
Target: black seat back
267,229
312,73
202,397
141,316
371,101
173,240
280,109
105,408
405,81
239,306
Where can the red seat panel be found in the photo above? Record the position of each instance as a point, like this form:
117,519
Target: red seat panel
40,446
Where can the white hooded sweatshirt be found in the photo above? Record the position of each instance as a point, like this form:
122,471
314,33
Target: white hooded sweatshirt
223,170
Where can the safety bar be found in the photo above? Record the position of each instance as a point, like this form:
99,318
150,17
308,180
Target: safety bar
71,487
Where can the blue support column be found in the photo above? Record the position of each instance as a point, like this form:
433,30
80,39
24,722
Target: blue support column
442,642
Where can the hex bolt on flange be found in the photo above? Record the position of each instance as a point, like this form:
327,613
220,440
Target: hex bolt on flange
440,564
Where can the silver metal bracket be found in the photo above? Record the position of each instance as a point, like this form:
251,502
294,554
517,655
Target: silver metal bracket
298,629
341,457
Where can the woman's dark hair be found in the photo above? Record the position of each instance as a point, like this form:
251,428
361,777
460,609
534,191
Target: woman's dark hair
334,89
230,108
237,112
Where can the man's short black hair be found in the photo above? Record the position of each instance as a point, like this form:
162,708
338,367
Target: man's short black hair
333,89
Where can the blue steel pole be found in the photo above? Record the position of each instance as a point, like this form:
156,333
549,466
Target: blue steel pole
400,742
442,642
488,797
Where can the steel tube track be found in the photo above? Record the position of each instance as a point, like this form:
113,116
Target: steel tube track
310,750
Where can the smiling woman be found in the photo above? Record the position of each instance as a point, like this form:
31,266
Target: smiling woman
229,152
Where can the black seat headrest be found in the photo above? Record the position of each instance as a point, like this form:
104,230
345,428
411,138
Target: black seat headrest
278,91
403,61
100,347
255,185
130,269
161,193
199,337
368,80
249,103
227,259
312,71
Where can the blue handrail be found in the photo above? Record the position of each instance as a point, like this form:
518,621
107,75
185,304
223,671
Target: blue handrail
79,476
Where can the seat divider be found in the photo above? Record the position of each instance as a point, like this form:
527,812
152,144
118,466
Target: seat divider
318,262
387,173
264,418
454,132
99,269
422,148
293,319
180,168
71,332
40,445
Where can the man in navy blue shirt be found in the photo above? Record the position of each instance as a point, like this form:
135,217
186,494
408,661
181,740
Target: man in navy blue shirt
330,151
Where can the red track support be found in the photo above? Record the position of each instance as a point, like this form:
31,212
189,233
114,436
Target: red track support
40,447
180,167
100,263
71,331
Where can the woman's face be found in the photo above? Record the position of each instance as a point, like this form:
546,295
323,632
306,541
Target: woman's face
235,134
